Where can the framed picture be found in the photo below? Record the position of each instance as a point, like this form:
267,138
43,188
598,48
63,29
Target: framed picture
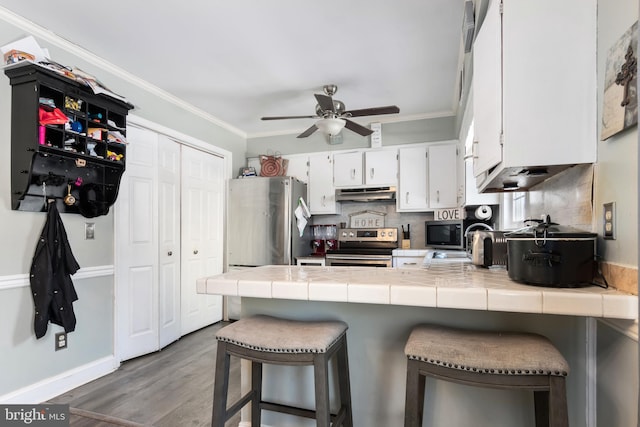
620,102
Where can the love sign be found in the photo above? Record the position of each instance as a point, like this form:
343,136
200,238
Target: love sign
448,214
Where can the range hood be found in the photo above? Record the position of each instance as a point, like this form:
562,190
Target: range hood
370,194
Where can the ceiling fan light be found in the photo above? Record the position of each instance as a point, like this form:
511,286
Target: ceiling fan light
330,127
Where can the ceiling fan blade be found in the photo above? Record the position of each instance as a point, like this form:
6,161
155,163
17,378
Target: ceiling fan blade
288,117
389,109
325,102
308,132
359,129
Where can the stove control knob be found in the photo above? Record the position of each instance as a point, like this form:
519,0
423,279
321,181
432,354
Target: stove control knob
351,234
382,233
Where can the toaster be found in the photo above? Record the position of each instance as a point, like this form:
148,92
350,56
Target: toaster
488,248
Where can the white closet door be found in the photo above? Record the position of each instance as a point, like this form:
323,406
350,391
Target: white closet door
136,268
169,240
202,235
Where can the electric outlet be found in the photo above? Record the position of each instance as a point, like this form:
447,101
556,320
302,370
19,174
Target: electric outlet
89,230
61,341
609,221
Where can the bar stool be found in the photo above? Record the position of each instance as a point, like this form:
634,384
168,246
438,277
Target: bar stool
264,339
504,360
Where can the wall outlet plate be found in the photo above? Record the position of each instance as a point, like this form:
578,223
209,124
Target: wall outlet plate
609,221
89,230
61,341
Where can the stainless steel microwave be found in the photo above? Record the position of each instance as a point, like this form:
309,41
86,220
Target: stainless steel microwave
444,234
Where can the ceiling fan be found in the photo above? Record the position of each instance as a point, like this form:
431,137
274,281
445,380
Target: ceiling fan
333,116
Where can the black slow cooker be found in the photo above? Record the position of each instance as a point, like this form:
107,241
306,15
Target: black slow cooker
548,254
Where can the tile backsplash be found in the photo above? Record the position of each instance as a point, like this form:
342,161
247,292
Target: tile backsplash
566,197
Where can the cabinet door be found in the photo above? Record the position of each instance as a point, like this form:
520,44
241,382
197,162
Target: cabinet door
443,172
381,167
412,182
487,92
347,169
168,240
202,234
321,191
136,249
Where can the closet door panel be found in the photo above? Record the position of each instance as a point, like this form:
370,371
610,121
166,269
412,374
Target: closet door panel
169,239
136,244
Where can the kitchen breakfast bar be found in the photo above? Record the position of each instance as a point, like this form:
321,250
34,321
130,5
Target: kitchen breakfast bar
381,305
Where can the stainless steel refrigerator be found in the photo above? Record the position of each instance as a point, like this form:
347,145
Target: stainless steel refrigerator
262,226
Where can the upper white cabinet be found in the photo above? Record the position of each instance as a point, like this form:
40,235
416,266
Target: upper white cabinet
427,177
347,169
412,192
443,172
530,122
320,188
370,168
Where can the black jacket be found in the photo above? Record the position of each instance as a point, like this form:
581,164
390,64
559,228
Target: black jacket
51,285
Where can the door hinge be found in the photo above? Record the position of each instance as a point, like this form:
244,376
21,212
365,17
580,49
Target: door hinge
501,138
501,8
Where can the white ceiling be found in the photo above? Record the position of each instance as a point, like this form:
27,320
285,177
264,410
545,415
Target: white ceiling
239,60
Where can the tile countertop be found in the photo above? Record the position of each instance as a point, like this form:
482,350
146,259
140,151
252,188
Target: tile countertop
446,283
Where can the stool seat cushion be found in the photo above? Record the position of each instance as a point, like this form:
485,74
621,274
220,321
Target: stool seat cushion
275,335
510,353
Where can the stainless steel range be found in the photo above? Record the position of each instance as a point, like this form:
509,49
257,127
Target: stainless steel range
364,247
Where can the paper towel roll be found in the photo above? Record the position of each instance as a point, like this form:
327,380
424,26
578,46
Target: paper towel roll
483,212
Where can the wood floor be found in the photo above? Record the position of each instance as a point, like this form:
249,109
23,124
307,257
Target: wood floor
169,388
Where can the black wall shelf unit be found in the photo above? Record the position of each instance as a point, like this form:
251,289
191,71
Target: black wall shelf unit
84,159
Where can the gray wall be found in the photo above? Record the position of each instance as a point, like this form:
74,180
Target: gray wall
393,133
616,181
25,360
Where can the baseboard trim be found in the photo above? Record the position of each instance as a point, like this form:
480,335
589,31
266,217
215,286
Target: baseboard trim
54,386
22,280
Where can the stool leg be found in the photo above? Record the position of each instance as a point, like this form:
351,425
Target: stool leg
221,386
321,377
541,405
344,381
414,398
256,386
558,415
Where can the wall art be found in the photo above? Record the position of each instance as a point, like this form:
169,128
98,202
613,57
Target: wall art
620,101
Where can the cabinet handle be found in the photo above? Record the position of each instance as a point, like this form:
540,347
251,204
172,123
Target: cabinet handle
372,172
407,197
324,199
438,196
195,252
353,174
169,253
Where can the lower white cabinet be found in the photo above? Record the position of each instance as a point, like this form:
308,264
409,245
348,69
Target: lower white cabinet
427,177
320,189
155,294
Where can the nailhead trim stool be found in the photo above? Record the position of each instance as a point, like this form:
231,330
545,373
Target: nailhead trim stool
504,360
265,339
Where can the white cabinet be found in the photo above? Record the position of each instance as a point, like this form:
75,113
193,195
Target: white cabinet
529,121
320,189
443,173
347,169
412,192
370,168
427,177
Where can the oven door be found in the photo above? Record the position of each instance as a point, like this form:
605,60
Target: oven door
346,260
